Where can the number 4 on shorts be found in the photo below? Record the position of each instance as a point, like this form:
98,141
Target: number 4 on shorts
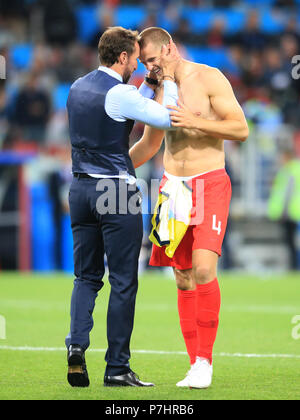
215,227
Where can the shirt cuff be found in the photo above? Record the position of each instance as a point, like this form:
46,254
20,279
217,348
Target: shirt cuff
170,93
146,91
171,87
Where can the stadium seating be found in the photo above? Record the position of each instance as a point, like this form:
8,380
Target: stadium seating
218,57
60,96
87,21
260,3
270,23
200,19
21,56
130,17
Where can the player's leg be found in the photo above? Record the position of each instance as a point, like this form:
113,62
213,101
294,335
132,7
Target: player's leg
207,244
186,299
208,302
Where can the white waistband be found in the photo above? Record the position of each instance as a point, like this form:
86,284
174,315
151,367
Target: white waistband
183,178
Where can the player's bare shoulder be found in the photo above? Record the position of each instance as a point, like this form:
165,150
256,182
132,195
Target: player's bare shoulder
214,80
198,70
191,73
194,88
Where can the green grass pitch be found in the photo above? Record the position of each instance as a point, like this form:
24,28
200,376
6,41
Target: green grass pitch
256,355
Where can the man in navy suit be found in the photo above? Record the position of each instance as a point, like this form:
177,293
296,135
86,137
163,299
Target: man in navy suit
102,109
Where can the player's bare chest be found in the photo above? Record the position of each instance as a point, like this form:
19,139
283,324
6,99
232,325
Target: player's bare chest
195,98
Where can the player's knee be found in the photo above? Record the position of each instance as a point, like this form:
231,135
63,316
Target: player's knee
184,280
203,274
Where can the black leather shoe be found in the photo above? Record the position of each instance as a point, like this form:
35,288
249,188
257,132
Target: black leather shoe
77,371
128,379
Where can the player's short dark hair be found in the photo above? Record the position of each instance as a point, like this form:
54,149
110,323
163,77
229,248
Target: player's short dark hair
113,42
156,36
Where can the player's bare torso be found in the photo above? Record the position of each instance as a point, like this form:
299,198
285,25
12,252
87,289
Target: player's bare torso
190,152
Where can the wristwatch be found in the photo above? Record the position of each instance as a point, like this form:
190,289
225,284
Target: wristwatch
151,81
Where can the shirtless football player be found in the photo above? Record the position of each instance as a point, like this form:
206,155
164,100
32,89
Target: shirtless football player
207,113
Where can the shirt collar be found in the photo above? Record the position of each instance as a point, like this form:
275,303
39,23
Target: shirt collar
111,73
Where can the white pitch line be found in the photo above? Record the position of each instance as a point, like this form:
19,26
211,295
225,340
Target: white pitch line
260,356
245,355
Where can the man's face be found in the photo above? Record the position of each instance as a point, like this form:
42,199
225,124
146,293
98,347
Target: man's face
132,64
150,56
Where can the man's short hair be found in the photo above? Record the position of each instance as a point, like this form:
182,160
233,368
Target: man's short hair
113,42
156,36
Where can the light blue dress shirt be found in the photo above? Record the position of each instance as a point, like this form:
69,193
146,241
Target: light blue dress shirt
126,102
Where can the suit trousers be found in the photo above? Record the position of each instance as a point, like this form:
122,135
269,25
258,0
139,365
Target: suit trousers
106,219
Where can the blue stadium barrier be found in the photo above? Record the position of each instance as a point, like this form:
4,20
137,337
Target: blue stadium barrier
88,22
67,245
21,56
60,96
42,229
9,157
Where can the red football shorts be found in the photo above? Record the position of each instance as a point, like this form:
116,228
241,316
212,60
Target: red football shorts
207,231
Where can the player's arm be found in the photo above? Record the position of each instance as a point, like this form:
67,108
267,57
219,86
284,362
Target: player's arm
150,143
232,124
124,102
152,138
133,106
147,146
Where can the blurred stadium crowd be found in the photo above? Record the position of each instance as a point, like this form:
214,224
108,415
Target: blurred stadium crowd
47,45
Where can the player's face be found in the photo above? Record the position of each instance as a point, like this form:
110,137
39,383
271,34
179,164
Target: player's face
132,63
150,57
